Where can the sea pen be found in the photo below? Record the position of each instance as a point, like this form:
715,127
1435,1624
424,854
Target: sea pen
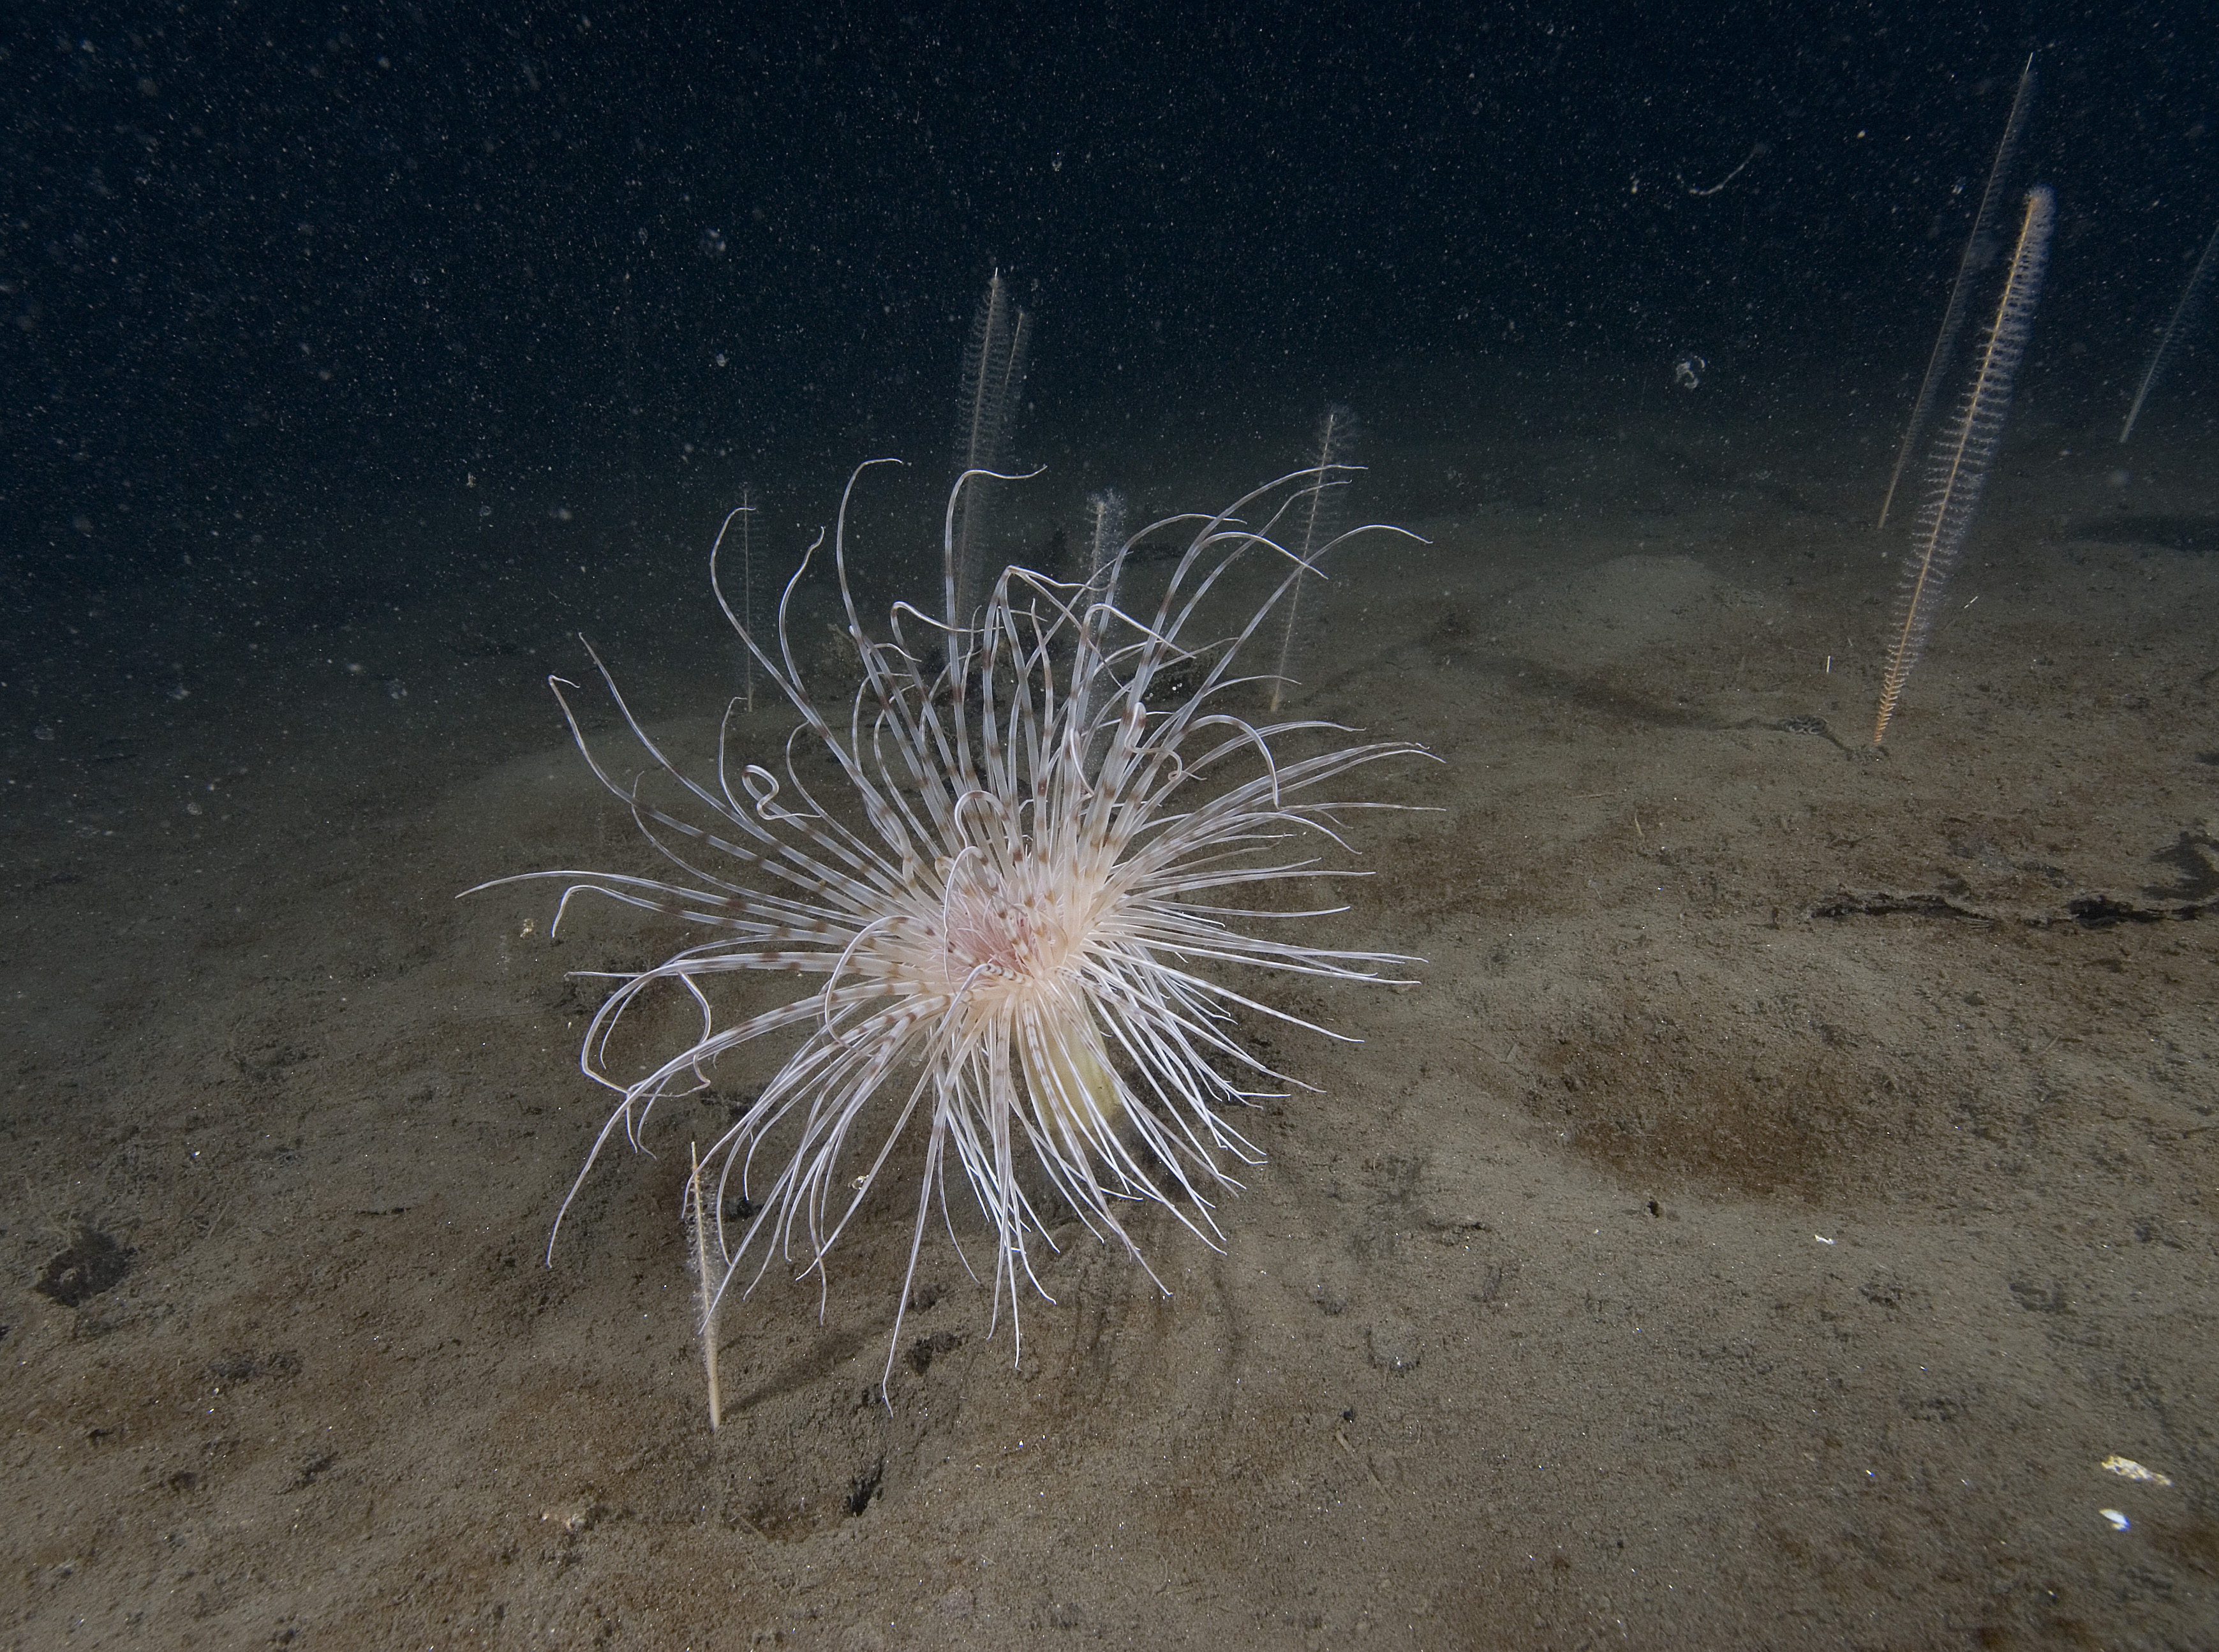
1105,537
994,361
744,513
1320,514
1977,246
708,1275
1962,456
2181,312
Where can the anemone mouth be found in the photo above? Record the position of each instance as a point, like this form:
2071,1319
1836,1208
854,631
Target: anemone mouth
1012,935
1019,899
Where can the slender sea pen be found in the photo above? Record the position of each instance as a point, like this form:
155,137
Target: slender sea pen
1979,248
706,1275
1318,511
1105,537
1958,472
746,513
994,361
2181,312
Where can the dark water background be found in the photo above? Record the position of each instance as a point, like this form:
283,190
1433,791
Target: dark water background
315,311
1789,1170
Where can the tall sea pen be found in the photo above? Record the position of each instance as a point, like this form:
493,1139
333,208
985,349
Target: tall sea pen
2181,312
1105,566
1979,248
702,1262
994,361
1958,471
1319,511
1105,537
744,513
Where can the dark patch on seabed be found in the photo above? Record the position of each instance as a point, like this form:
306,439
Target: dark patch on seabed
2089,911
93,1263
2195,856
2197,533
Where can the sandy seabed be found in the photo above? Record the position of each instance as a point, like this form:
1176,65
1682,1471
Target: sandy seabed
1784,1195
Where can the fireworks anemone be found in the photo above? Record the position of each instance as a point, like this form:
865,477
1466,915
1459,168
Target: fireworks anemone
1008,909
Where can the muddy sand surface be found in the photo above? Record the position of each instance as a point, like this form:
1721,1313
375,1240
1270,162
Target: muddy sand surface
1783,1196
